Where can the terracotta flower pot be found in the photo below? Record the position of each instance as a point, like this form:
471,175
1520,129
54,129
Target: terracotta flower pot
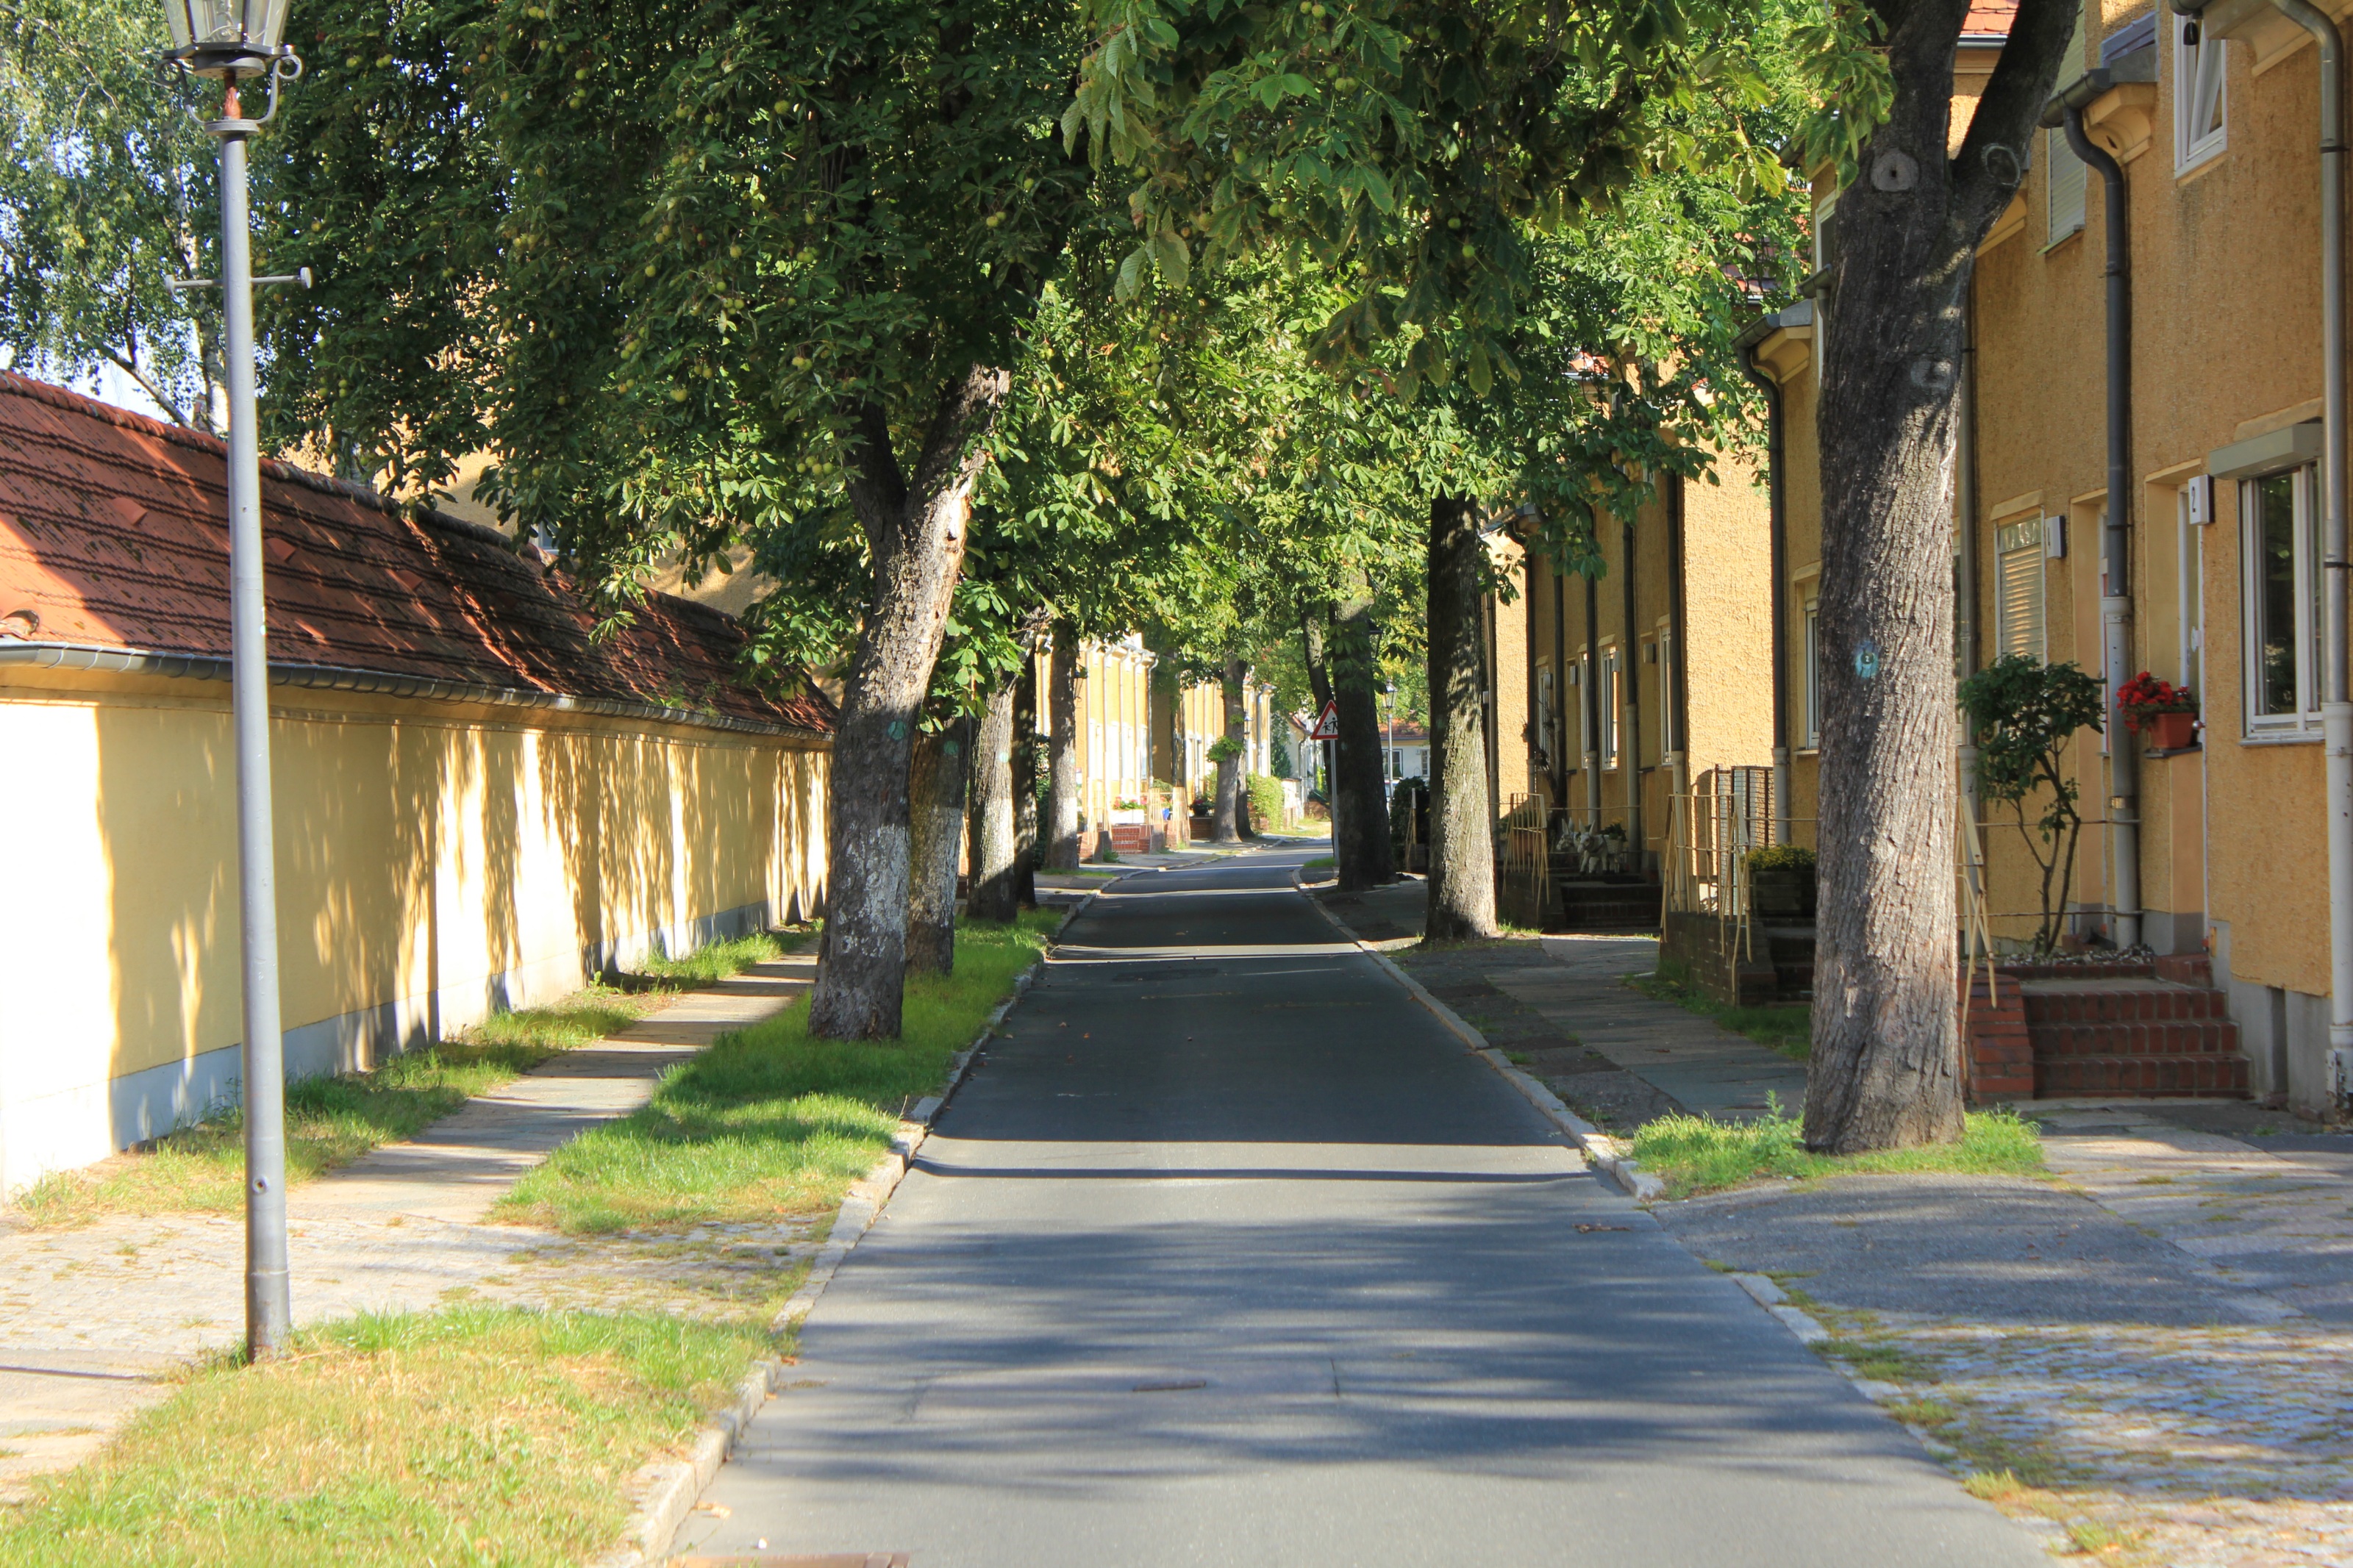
2172,731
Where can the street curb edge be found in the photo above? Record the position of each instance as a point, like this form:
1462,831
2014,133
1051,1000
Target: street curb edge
1606,1154
665,1489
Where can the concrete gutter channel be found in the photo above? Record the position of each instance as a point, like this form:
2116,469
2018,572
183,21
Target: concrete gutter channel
662,1492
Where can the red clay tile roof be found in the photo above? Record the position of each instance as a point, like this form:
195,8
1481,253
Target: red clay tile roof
112,534
1990,17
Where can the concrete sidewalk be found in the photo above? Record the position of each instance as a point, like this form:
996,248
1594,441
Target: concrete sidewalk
94,1319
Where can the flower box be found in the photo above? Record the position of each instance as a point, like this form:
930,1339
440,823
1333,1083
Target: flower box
2173,731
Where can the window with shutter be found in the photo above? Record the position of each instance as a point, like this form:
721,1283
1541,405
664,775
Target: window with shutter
2017,598
2065,188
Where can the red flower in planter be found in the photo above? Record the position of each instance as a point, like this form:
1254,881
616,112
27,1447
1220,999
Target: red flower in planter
2145,696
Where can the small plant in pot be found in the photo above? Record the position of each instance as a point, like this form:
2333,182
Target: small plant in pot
1781,882
2167,713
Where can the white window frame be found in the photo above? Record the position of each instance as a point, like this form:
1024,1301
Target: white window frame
1547,714
2201,77
2304,724
1813,653
1612,695
2190,595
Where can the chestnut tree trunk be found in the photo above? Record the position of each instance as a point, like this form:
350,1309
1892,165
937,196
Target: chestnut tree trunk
936,792
913,523
1360,810
1062,755
1029,754
1226,815
1885,1066
995,894
1462,815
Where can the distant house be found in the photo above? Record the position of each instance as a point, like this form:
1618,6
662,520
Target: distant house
479,803
1405,751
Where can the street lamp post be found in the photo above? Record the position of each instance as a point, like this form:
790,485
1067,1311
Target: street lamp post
232,39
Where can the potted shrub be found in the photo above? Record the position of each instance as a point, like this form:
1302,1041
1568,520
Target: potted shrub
2167,712
1782,883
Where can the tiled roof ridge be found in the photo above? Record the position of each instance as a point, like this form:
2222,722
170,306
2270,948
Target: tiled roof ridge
68,401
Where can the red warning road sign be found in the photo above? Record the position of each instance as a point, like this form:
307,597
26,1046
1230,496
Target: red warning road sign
1327,724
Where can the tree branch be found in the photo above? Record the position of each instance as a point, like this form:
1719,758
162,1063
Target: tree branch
162,400
878,490
1984,179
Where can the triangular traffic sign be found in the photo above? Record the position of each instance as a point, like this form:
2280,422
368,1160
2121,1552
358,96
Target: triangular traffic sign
1327,724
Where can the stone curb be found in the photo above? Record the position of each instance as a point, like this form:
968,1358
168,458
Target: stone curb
662,1492
1606,1154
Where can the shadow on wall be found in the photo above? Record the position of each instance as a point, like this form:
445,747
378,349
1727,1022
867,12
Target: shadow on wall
430,870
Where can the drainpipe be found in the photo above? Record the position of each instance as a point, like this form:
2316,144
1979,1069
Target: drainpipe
1630,694
1964,533
1776,533
2115,592
2337,704
1677,694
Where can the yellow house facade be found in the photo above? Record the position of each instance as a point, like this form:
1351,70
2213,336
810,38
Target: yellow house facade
476,806
1639,677
2218,849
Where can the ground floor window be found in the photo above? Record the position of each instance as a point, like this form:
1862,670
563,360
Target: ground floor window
1609,700
2019,554
2283,588
1813,713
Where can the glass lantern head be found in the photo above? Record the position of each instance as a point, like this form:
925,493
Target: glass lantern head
224,37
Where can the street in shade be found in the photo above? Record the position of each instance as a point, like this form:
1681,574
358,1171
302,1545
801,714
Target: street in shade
1229,1252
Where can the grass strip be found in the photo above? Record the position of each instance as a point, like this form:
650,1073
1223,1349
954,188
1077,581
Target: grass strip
715,961
1787,1028
332,1120
474,1435
768,1122
1699,1155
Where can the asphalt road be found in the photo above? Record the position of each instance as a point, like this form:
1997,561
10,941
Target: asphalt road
1231,1253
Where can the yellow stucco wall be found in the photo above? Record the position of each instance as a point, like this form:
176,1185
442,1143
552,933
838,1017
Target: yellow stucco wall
434,860
2210,365
1729,646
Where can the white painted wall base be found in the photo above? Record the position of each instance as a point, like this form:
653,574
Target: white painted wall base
86,1123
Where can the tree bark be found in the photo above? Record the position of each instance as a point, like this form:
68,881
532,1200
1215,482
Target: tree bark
1062,755
936,804
1462,815
995,893
1885,1067
1028,750
1319,685
1226,814
914,529
1360,813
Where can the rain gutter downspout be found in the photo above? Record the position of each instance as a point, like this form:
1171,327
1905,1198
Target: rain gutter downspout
2335,702
1777,531
2066,109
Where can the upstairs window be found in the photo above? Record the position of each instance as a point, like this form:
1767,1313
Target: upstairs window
2065,188
2198,94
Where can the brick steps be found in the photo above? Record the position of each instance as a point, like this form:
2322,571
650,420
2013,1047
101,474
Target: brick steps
2154,1077
2105,1029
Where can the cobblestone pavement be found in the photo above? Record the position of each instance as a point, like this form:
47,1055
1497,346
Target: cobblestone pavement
95,1319
2149,1357
2223,1447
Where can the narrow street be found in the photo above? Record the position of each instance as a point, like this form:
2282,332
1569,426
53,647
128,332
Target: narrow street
1228,1252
